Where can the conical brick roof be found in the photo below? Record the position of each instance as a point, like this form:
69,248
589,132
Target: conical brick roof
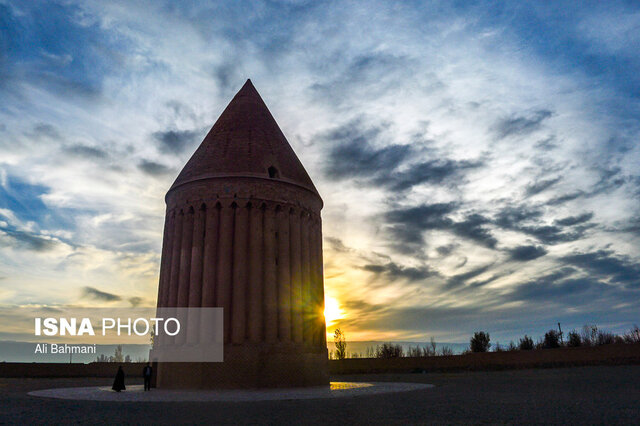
246,141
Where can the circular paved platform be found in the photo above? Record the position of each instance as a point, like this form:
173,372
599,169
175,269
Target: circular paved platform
135,393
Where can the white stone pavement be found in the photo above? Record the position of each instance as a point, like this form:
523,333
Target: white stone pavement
135,393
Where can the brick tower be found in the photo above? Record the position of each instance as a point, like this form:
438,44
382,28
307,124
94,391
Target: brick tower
243,232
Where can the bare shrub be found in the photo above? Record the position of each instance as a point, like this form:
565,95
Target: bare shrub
512,346
416,352
574,340
526,343
605,338
551,339
633,335
423,352
446,351
539,344
370,352
388,350
432,346
589,335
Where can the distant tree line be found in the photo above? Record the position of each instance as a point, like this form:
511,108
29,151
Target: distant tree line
590,335
118,356
385,350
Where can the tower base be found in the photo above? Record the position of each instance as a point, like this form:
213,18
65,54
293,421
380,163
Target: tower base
249,366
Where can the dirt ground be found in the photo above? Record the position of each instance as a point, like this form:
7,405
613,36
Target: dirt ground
580,395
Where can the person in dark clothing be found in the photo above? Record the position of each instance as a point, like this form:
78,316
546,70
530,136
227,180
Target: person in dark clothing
118,383
146,374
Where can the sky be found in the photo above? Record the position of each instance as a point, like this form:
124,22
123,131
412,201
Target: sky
479,162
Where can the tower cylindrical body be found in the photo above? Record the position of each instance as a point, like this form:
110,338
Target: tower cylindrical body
243,232
270,289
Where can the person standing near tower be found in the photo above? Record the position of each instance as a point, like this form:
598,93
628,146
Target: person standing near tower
146,375
118,383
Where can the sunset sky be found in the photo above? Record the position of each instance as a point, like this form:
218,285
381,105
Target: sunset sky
479,163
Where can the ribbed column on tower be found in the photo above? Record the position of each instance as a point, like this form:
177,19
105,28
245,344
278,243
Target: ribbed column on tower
255,291
240,273
270,287
165,263
225,259
195,277
284,276
307,285
209,267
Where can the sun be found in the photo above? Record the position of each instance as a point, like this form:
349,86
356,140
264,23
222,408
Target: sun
332,311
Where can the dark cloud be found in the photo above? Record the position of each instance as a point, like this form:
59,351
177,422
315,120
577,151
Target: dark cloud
574,220
526,253
513,216
394,271
561,199
425,216
567,286
539,186
522,219
337,245
631,225
607,265
406,225
446,250
521,125
354,154
434,172
375,62
610,180
181,111
94,293
547,144
473,227
228,77
550,234
45,130
461,279
566,291
135,301
360,76
175,141
154,169
27,240
85,151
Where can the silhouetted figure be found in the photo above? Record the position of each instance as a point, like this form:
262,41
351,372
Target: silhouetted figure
118,383
146,374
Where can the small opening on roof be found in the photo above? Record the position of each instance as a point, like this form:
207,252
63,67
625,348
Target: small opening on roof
273,172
